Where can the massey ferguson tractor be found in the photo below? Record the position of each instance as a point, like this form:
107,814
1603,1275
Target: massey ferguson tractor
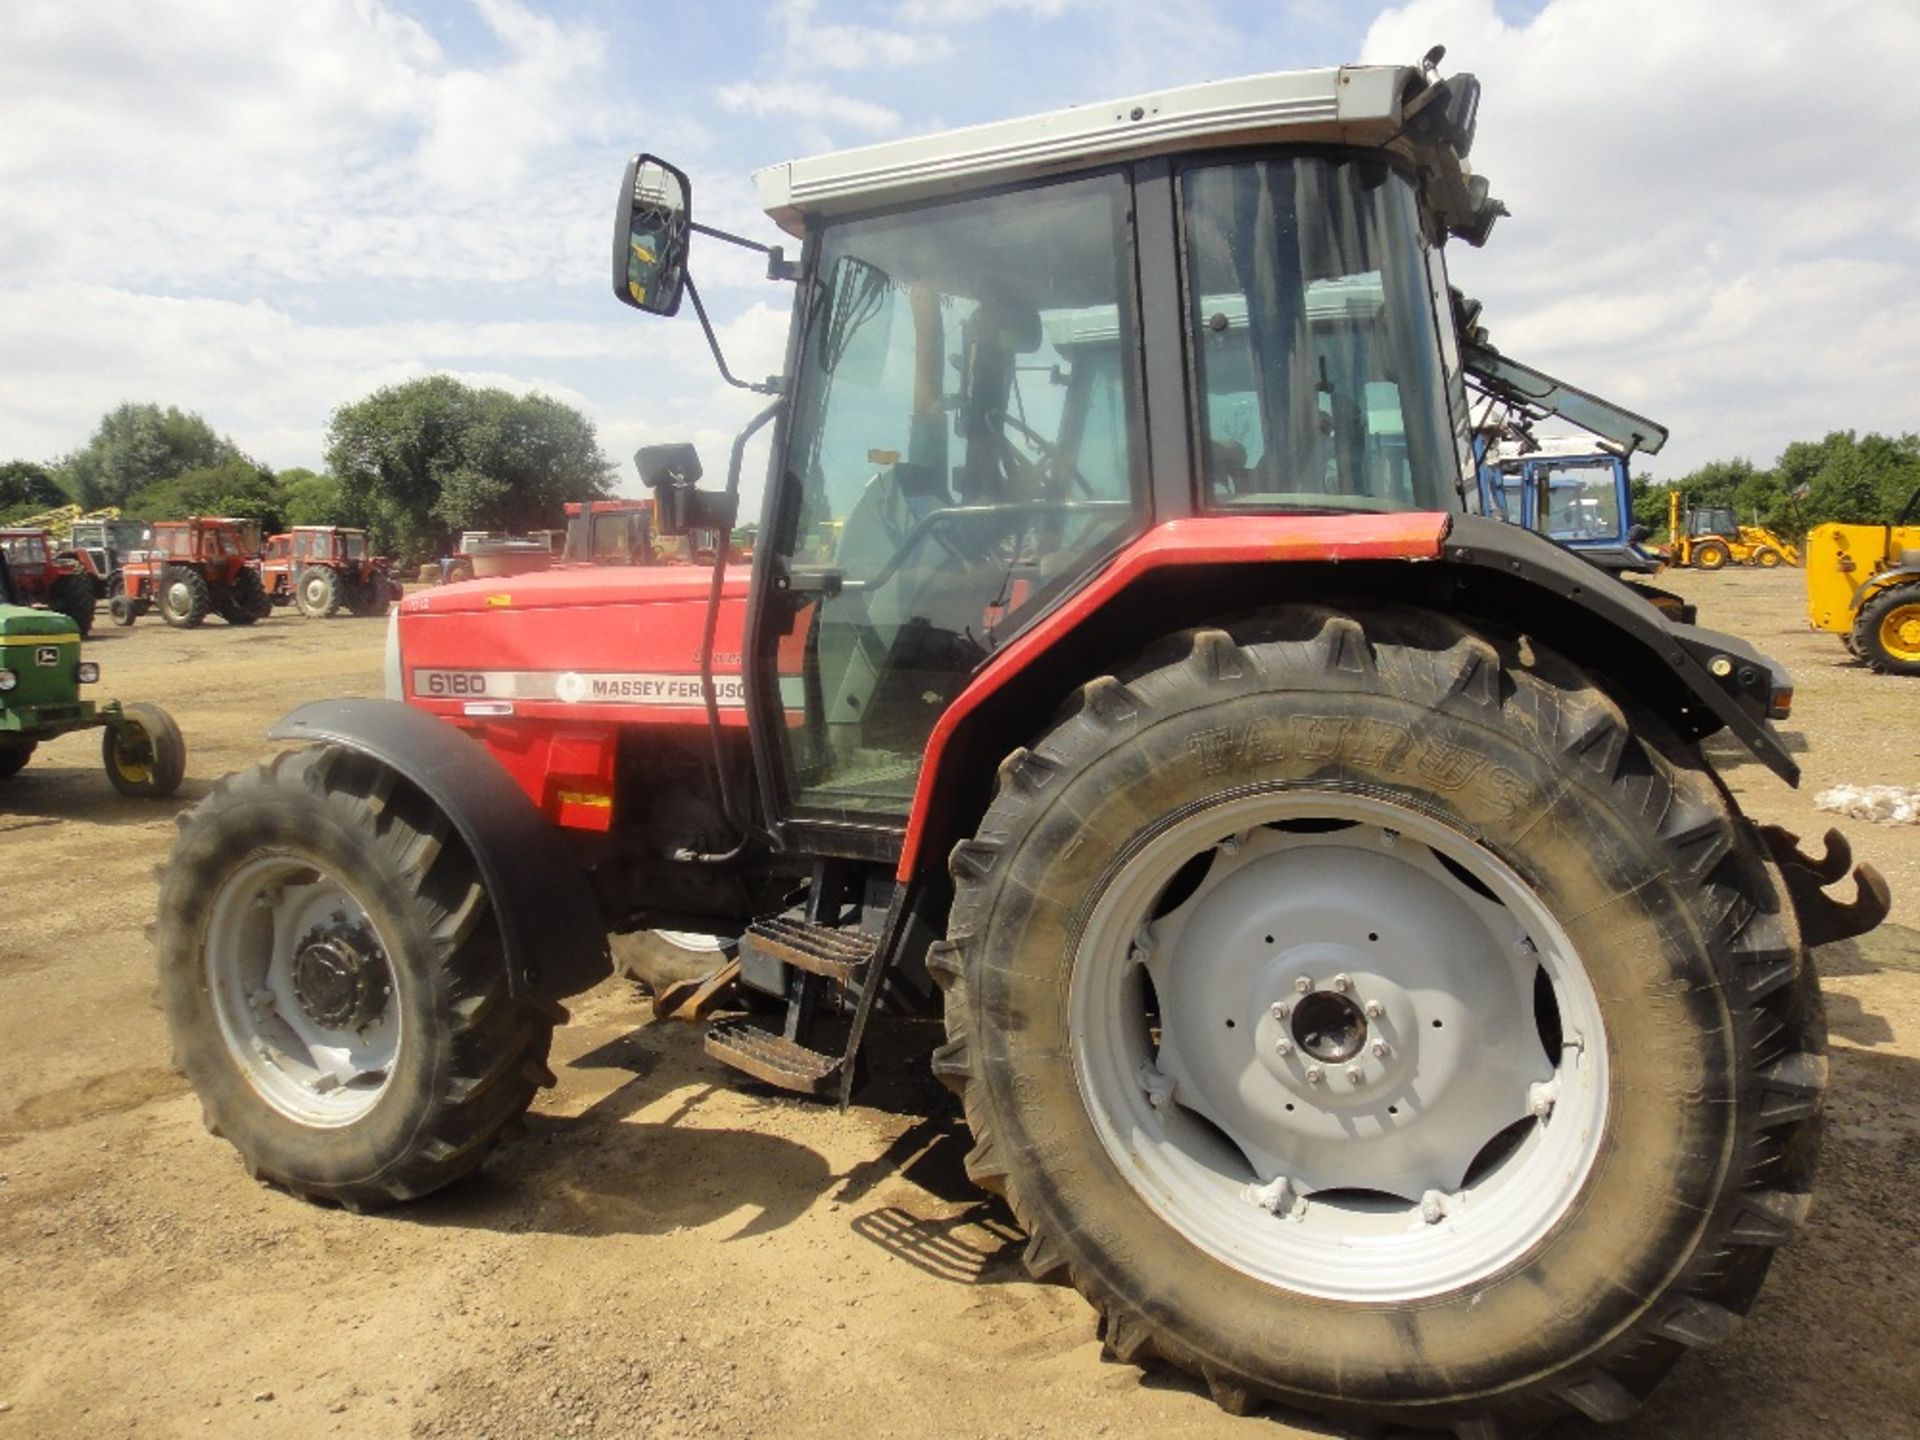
193,569
1358,982
324,569
46,574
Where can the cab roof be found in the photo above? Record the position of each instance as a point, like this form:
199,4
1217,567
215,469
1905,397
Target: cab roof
1362,105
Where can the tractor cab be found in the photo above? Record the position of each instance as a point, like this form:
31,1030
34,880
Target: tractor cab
1717,520
1576,493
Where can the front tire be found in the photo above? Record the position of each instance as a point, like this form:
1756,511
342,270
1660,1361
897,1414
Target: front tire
184,598
658,959
1886,632
319,593
335,986
145,755
1768,558
1367,808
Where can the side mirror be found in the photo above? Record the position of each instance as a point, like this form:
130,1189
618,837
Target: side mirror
651,230
672,472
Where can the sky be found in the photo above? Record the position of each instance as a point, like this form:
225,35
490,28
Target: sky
261,212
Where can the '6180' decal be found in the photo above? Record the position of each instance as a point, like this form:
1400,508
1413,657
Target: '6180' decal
573,687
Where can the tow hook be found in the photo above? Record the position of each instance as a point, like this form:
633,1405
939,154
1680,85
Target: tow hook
1824,919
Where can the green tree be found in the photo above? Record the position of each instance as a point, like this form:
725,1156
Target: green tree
137,446
310,498
421,458
26,487
235,486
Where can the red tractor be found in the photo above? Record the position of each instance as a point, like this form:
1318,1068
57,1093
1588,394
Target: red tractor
44,574
324,569
1358,981
622,532
193,568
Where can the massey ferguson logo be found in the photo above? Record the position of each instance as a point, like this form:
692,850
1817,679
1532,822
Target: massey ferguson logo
47,656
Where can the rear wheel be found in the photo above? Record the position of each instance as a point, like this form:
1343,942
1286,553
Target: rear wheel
335,986
1711,555
1886,632
247,601
14,755
184,597
145,754
74,597
319,593
1367,1021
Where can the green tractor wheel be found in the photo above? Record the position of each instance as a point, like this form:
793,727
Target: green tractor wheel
14,755
144,753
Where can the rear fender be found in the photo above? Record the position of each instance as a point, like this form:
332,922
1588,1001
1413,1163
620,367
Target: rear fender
550,926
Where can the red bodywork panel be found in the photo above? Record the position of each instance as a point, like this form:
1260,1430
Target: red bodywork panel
545,669
1209,540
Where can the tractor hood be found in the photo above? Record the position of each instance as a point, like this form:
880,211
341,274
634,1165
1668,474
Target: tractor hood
617,644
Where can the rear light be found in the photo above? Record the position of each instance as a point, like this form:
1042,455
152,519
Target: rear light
8,680
87,672
1780,703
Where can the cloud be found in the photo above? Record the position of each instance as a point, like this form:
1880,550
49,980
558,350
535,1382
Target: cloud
809,42
1697,230
806,100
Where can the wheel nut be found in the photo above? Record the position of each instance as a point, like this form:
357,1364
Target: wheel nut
1279,1010
1343,983
1375,1009
1379,1048
1433,1207
1314,1075
1303,984
1283,1046
1355,1075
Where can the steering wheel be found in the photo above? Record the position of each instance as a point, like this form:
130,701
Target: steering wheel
1051,459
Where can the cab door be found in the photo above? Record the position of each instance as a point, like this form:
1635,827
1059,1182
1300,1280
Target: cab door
963,447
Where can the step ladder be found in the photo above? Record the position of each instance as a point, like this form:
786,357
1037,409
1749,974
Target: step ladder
822,956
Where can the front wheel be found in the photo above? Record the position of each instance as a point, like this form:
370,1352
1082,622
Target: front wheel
1768,558
184,597
144,753
319,593
1369,1022
659,959
1886,632
335,986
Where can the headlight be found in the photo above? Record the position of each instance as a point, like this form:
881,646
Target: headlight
87,672
8,680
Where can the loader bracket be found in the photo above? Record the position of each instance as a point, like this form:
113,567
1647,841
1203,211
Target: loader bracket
1824,919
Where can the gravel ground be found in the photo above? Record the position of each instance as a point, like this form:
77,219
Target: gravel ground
672,1253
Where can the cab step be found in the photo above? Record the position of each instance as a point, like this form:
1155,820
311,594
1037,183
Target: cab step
838,955
773,1058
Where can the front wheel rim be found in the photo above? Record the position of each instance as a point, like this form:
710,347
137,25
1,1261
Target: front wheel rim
1327,1066
303,990
1900,633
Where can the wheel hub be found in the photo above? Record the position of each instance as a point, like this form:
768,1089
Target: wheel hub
340,978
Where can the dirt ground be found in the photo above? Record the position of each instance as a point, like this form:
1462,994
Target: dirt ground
672,1253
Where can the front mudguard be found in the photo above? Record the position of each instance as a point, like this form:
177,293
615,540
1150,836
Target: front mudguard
550,925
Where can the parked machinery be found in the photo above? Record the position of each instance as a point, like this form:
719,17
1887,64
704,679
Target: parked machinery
193,569
45,573
1709,537
323,569
1863,584
1357,981
41,675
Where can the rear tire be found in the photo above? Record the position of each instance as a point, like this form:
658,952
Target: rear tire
184,598
73,596
335,987
247,602
14,755
1524,796
1711,555
145,756
1886,632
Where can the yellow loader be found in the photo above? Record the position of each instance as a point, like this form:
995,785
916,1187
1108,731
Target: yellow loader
1863,584
1711,538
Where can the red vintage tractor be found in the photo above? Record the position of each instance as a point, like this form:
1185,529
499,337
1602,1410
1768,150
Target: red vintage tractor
193,569
45,574
324,569
1358,982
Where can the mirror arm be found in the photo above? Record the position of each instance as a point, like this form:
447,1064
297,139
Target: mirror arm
773,385
778,266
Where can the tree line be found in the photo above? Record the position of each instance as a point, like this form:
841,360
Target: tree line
1859,479
413,464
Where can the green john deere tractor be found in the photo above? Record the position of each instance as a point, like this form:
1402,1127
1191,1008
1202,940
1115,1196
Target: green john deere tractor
41,673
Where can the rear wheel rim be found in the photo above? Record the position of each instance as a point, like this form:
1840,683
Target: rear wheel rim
302,989
1450,1127
1900,633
